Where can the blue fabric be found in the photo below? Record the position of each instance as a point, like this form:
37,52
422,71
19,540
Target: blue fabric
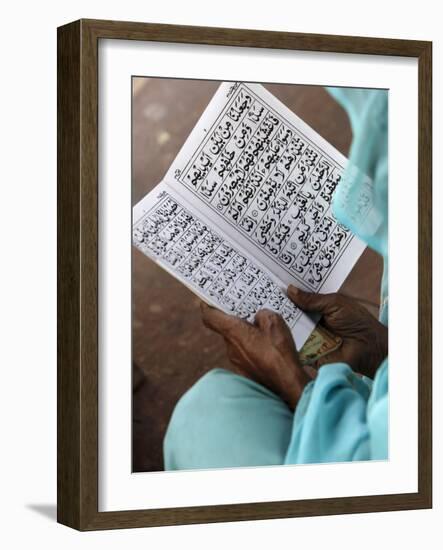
366,178
340,417
227,420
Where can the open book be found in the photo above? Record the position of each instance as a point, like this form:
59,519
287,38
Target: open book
245,209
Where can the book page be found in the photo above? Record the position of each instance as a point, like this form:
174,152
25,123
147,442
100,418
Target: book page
186,244
245,209
267,180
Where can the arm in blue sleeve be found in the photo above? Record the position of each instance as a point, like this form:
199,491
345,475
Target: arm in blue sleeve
330,421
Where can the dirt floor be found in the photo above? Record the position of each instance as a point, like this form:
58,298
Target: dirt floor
171,348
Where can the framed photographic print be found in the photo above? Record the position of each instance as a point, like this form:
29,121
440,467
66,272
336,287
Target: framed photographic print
244,246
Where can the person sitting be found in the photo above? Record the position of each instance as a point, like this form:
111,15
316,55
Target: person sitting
271,410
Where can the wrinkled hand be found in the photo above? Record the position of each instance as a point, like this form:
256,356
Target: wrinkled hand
365,340
264,351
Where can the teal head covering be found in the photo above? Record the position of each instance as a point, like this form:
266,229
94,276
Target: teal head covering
361,198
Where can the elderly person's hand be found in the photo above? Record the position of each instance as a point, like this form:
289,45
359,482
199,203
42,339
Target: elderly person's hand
264,351
365,340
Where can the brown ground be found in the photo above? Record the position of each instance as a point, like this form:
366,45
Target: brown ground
171,348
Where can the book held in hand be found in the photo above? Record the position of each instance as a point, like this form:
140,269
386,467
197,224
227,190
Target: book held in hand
245,210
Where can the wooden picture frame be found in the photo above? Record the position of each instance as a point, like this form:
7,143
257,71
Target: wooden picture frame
78,273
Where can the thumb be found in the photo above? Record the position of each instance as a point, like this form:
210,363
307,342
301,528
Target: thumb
309,301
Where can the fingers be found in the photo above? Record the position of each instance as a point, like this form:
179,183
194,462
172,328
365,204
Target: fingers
272,326
332,357
310,371
236,329
308,301
265,318
220,322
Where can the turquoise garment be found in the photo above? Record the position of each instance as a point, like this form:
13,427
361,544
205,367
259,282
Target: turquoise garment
341,417
227,420
368,113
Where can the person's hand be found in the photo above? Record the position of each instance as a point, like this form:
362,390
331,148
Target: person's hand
365,340
263,351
